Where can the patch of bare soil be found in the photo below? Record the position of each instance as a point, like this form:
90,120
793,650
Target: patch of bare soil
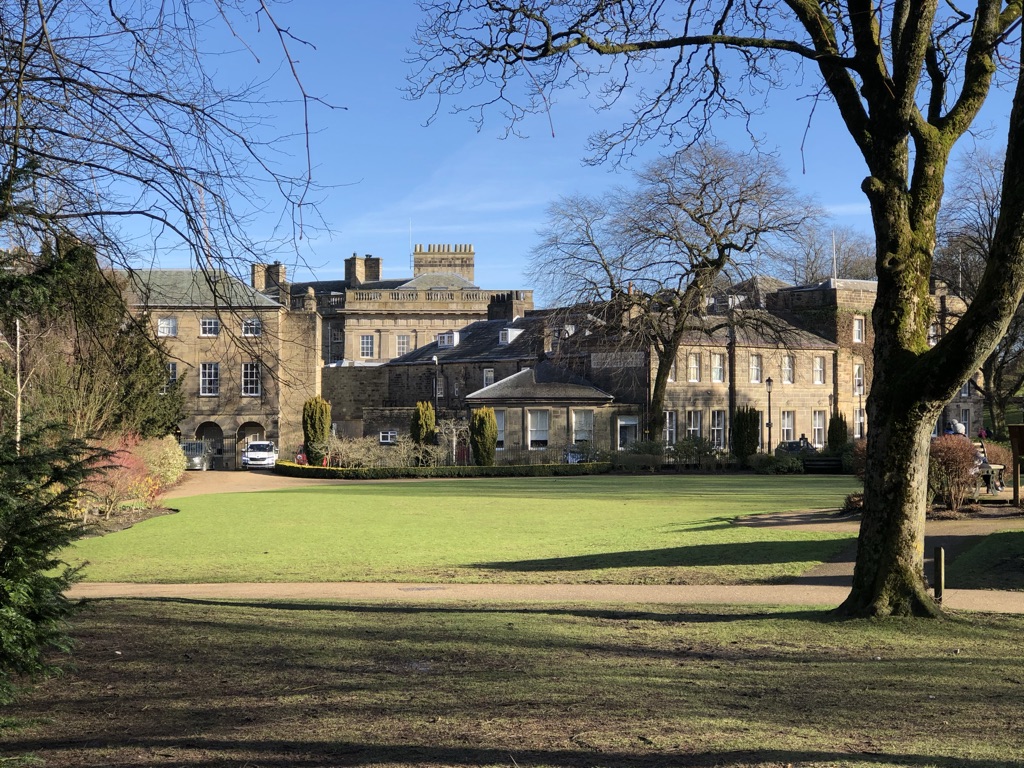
100,526
975,512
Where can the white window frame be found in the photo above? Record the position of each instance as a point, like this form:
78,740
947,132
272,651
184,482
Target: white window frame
499,418
965,390
858,379
538,423
694,424
787,426
859,423
672,372
583,425
402,344
756,368
668,433
167,327
965,419
819,369
717,367
818,432
626,421
209,327
172,377
389,437
252,380
858,329
788,369
367,345
718,429
252,327
209,379
488,376
693,366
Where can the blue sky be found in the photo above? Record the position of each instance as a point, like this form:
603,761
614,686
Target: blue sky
391,180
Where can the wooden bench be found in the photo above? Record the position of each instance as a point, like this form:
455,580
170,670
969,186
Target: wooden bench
989,475
823,465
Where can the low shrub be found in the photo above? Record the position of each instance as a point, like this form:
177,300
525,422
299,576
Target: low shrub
637,462
998,453
766,464
952,470
853,504
164,460
695,452
857,458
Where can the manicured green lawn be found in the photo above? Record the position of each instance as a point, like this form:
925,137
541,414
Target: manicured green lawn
657,529
206,683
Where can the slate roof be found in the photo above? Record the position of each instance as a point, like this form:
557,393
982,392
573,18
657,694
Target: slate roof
480,342
188,288
438,280
427,282
840,284
544,383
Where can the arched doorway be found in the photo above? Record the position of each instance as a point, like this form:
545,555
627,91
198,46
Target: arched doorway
247,433
210,432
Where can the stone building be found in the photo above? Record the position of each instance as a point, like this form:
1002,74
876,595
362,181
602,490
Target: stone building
811,343
368,319
245,362
840,311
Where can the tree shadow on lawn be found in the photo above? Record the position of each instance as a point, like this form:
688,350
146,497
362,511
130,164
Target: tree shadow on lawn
207,751
740,553
618,614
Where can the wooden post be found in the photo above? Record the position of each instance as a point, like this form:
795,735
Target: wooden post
1017,446
940,573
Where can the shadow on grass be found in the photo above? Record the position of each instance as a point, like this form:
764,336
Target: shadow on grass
206,752
696,617
740,553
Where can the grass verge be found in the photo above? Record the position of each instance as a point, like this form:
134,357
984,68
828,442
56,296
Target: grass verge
996,562
196,684
651,529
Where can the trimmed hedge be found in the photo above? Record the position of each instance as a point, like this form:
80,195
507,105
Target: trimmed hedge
290,469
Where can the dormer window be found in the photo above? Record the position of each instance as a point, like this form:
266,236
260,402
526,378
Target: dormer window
508,335
448,339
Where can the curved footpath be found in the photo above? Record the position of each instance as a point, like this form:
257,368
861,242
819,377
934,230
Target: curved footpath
783,594
827,585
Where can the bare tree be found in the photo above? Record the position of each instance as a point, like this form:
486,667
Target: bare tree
819,250
908,80
112,128
967,231
653,255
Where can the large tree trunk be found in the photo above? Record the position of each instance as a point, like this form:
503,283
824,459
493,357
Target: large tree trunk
907,390
656,412
889,576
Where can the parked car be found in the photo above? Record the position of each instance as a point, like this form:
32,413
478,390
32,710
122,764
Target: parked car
801,447
198,454
262,453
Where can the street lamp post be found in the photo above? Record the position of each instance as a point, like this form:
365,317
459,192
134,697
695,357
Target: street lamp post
436,381
768,387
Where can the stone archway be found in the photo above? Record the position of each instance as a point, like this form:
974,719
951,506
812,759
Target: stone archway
210,432
247,433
